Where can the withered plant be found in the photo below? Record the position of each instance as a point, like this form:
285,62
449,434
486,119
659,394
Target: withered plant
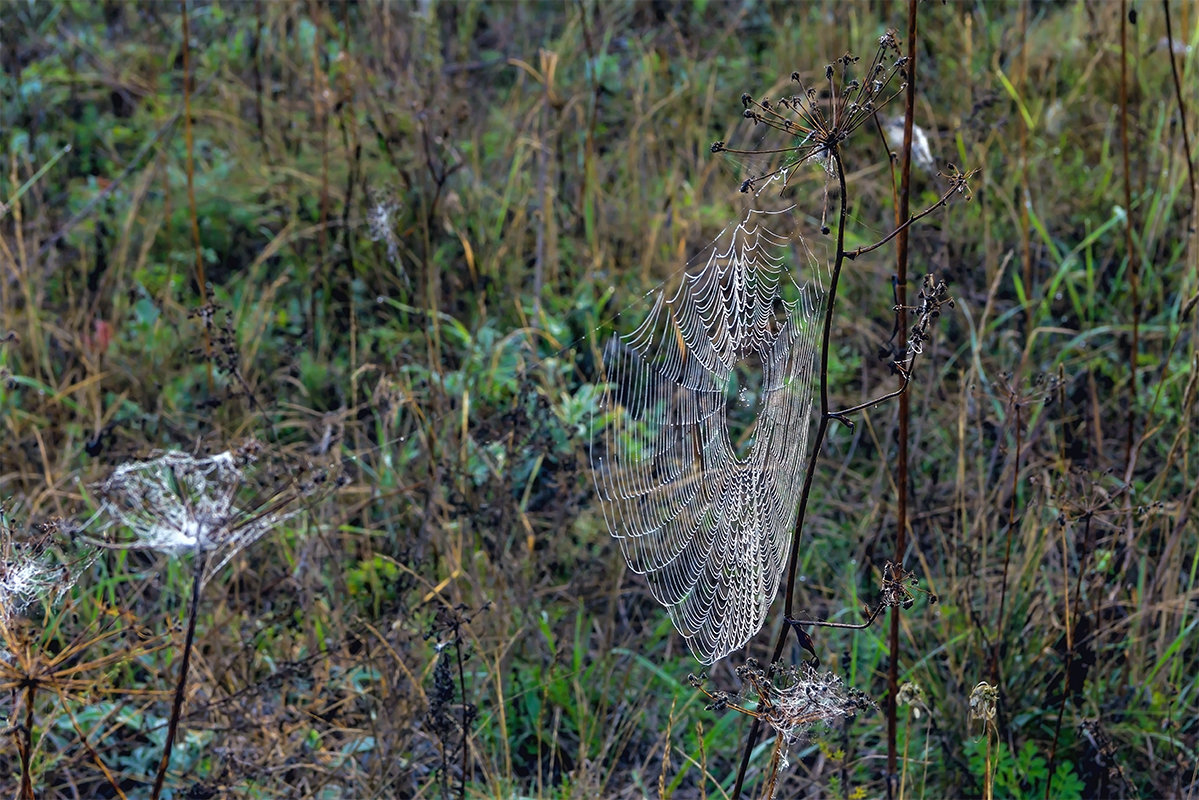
692,515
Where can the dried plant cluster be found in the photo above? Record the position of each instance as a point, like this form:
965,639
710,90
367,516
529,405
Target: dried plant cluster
821,121
31,569
665,485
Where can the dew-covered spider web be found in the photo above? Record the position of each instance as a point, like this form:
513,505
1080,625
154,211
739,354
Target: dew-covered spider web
699,445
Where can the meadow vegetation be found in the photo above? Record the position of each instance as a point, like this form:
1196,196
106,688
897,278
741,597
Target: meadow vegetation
372,253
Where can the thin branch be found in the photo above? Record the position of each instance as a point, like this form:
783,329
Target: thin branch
871,616
1182,113
905,380
959,185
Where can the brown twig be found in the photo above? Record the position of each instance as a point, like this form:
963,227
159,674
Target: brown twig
201,281
1182,115
901,510
181,685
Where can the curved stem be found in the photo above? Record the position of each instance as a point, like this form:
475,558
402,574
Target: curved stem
905,375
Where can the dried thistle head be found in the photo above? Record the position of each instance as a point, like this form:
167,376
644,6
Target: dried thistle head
822,115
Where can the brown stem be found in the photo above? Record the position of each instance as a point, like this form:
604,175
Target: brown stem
901,509
1182,114
181,686
810,471
25,743
201,280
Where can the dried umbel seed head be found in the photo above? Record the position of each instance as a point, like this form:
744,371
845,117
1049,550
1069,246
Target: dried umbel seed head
821,121
791,700
175,502
34,569
801,697
983,701
911,694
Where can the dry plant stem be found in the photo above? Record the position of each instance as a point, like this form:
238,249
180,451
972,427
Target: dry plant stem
810,471
25,743
201,282
901,509
1133,271
465,717
1182,115
1007,556
181,686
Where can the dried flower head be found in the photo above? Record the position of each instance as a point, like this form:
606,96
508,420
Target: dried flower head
819,120
32,570
934,295
381,224
983,701
793,699
912,694
176,502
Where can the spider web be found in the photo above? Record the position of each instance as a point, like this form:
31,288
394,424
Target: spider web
706,521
